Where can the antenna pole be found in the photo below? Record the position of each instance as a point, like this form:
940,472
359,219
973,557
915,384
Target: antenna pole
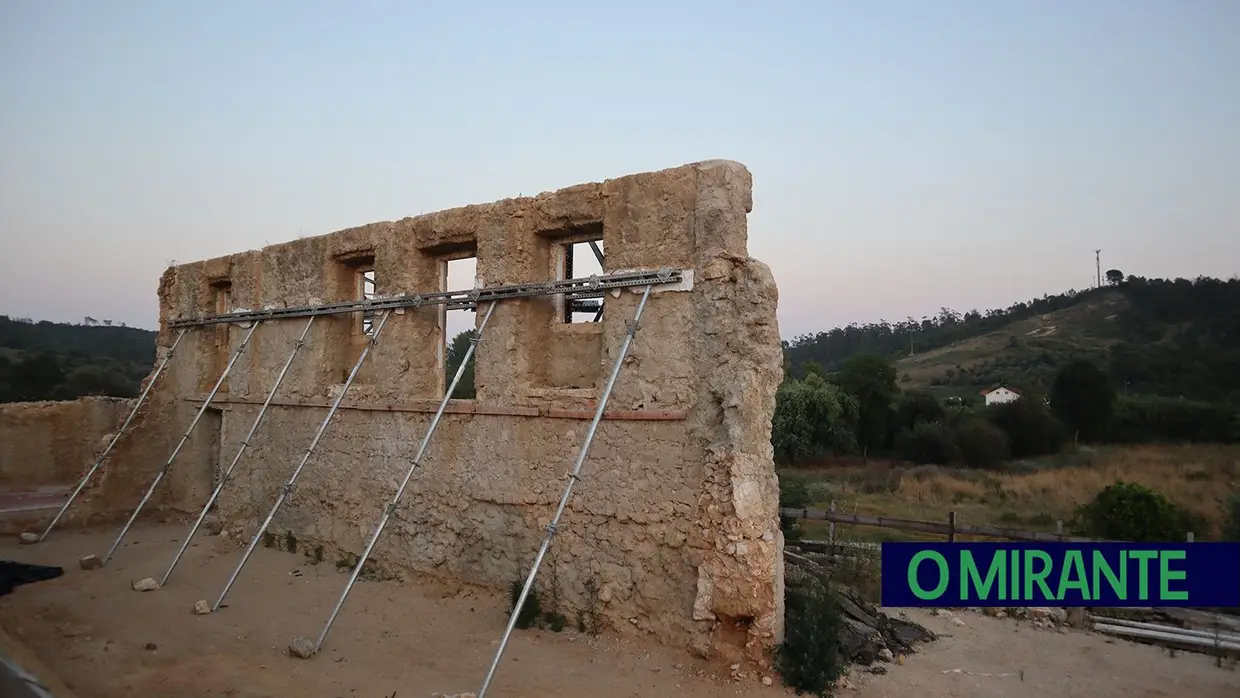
1098,266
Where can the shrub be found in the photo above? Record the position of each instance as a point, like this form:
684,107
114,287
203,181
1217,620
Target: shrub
1031,428
530,611
793,494
1145,418
929,442
810,659
1127,511
982,444
1231,517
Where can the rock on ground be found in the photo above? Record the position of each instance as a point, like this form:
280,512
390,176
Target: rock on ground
145,584
28,538
201,607
90,562
302,647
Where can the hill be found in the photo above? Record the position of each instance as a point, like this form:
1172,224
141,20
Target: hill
1172,338
1024,353
62,361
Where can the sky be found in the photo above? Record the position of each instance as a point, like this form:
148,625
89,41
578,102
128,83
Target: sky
906,156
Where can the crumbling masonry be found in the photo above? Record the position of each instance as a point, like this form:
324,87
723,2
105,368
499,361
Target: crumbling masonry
673,529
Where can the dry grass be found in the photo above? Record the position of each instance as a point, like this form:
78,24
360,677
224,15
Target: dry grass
1033,496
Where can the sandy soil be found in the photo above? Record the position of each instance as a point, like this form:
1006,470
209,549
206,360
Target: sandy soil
411,640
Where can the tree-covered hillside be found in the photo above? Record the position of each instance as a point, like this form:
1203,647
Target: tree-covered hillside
61,361
1171,338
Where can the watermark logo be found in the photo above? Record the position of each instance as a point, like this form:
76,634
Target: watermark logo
1061,574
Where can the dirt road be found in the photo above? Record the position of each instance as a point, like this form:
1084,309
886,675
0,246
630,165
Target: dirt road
411,640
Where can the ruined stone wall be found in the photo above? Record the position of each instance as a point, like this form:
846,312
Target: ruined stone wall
673,530
53,443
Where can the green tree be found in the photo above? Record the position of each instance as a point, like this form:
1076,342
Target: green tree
812,418
1084,399
1031,428
871,380
929,443
914,407
37,377
465,390
981,443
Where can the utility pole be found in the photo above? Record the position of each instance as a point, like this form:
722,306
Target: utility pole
1098,266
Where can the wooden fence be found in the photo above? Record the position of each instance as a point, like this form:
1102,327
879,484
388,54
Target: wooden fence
950,529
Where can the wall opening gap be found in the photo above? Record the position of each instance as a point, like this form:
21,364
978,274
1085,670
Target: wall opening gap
579,260
457,327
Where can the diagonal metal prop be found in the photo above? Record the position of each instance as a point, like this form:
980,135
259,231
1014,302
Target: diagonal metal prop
417,460
292,482
119,432
568,490
245,443
184,439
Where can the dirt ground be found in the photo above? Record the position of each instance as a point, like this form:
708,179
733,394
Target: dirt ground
411,640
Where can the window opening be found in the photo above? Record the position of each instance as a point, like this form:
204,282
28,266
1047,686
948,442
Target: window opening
366,292
579,260
458,326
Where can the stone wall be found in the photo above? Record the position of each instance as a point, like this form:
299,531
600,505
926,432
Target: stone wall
673,530
46,444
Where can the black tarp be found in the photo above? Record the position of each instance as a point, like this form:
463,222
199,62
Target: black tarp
15,574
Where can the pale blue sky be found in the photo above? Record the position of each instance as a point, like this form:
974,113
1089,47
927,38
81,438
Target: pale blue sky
906,155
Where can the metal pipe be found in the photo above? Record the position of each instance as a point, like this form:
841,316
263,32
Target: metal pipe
288,486
417,460
224,478
590,287
184,438
1206,634
1165,637
89,473
568,489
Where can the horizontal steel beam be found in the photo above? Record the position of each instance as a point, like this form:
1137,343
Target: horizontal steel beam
572,289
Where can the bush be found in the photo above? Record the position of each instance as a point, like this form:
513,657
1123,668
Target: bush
929,442
1031,428
1231,517
532,609
793,494
1128,511
982,444
810,659
1146,418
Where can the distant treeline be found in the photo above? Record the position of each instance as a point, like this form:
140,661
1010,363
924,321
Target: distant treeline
62,361
1175,338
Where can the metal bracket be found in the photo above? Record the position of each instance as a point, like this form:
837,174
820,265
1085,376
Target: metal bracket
552,528
664,274
632,327
389,509
289,487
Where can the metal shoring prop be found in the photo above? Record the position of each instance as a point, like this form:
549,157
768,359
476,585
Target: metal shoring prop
417,460
184,438
90,473
568,489
224,479
288,486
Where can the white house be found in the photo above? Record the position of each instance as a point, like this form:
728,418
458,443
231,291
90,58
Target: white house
1000,395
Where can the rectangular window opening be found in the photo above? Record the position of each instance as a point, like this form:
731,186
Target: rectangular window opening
457,327
366,292
579,260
